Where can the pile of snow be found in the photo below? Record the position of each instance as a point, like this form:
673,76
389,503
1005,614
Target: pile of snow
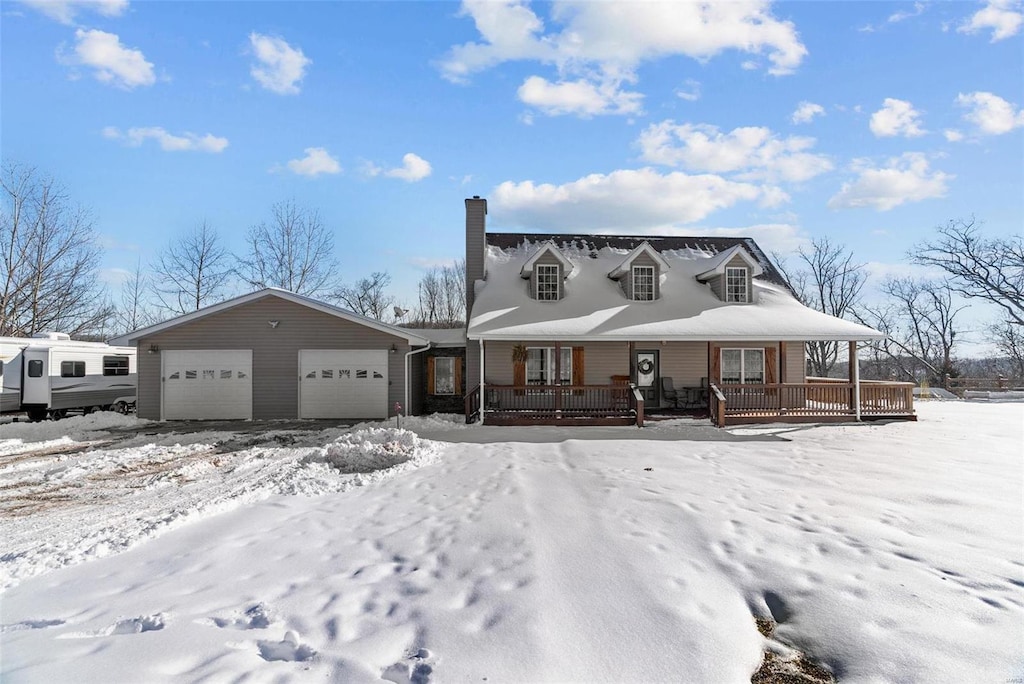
14,437
1010,395
367,450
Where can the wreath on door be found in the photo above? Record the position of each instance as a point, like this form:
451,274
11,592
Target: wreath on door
645,366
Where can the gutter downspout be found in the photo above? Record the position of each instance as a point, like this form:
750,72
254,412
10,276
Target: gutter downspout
482,394
407,379
856,377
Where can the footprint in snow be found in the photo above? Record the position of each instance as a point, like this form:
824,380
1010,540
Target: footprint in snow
257,616
414,670
30,624
135,625
289,649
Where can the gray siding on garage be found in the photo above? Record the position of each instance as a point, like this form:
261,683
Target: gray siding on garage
275,351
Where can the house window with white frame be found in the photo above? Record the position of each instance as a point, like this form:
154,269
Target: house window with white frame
444,374
540,366
736,284
742,366
547,282
643,283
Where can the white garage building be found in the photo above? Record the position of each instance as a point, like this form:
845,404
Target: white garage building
271,354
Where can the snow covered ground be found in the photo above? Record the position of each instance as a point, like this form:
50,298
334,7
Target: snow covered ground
888,552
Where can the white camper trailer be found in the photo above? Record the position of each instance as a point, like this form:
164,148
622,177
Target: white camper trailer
50,374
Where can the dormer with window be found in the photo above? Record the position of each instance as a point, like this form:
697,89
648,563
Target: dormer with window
547,270
639,274
731,275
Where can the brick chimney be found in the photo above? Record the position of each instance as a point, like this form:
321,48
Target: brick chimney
476,246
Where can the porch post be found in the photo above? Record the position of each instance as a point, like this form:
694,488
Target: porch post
483,395
558,377
854,364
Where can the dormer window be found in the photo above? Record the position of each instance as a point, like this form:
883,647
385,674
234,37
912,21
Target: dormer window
736,284
547,282
643,283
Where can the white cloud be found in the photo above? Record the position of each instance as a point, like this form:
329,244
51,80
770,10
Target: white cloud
692,91
806,111
904,14
580,97
414,168
751,152
186,142
953,135
624,200
601,44
280,67
111,61
906,178
990,113
65,11
1004,17
317,160
896,117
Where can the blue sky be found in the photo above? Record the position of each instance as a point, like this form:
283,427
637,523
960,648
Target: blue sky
867,122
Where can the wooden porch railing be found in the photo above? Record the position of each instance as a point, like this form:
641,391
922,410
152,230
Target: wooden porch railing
554,403
473,405
718,405
819,399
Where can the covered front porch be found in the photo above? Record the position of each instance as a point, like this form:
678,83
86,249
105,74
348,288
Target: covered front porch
730,382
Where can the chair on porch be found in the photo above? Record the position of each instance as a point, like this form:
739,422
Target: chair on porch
669,391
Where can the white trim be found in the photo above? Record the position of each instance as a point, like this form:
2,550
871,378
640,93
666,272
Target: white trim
302,300
483,396
676,338
632,275
725,285
856,378
720,260
547,247
536,293
643,248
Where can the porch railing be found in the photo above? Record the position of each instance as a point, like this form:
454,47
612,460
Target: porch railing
473,405
812,399
559,402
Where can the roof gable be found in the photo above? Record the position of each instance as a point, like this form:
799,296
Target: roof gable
643,248
716,265
286,295
547,248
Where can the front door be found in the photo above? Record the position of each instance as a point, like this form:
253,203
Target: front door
647,376
35,380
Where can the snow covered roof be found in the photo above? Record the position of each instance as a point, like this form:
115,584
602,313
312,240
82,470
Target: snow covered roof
594,307
404,333
442,337
716,264
644,248
547,248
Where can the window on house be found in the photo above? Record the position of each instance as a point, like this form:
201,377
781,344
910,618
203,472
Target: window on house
547,282
643,283
540,366
35,368
444,375
115,365
72,369
742,366
736,284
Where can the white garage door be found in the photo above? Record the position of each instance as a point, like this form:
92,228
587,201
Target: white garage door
343,383
207,385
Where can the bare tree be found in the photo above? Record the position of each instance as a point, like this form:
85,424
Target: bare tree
134,311
294,251
989,269
919,321
1009,340
828,280
49,263
442,296
191,272
367,296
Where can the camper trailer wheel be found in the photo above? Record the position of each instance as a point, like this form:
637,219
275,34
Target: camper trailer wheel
37,414
120,407
57,414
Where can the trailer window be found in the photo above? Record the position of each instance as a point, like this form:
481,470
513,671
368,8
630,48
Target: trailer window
115,365
35,368
72,369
